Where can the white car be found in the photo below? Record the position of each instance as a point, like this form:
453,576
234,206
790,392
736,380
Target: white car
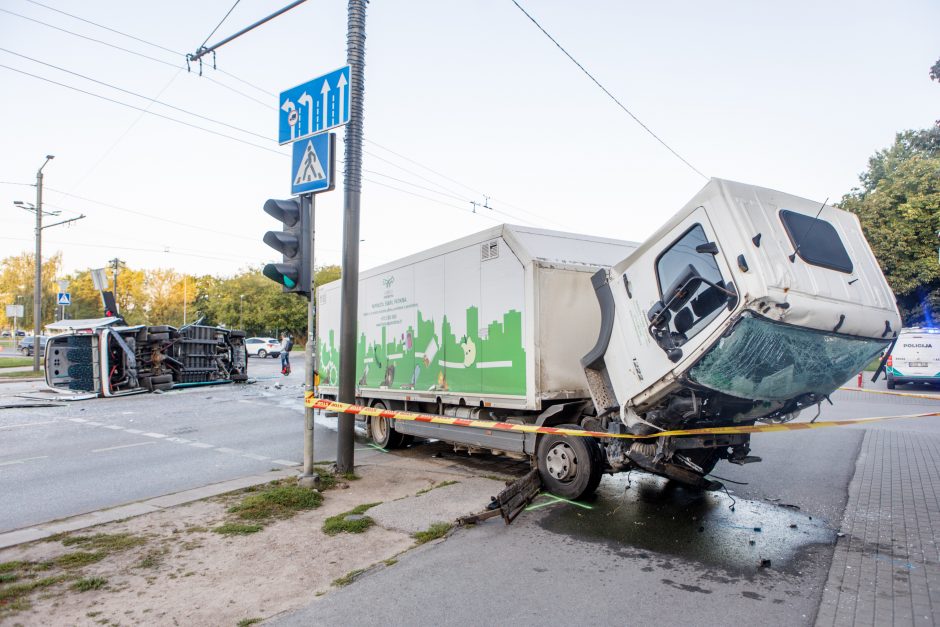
263,347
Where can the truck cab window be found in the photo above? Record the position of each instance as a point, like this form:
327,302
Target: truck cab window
706,301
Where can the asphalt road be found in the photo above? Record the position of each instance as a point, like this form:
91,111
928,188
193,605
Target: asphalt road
87,455
647,551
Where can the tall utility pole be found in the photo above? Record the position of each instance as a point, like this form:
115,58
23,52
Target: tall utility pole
37,287
115,266
355,57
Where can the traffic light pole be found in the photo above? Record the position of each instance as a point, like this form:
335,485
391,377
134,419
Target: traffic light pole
355,57
309,478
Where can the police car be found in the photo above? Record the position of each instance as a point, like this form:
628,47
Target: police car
915,357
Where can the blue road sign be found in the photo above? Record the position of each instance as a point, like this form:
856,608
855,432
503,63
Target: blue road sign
314,107
63,298
312,167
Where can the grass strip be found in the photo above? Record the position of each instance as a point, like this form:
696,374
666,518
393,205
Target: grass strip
435,531
338,524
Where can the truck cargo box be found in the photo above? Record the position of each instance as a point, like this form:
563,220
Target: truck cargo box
500,318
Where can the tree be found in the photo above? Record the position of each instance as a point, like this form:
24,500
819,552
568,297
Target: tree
17,274
898,205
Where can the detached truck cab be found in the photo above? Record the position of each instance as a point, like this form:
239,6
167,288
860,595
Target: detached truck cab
749,304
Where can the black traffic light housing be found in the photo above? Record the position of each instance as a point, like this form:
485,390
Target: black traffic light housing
293,242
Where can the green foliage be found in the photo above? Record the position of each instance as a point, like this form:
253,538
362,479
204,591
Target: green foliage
338,524
435,531
104,541
276,501
89,583
348,578
78,559
237,529
898,205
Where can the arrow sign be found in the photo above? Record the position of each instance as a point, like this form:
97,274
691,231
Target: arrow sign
313,164
333,105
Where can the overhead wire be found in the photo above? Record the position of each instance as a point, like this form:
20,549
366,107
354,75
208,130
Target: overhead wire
450,192
606,91
130,106
219,24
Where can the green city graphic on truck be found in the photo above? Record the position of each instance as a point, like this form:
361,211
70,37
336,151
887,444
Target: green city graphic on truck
431,357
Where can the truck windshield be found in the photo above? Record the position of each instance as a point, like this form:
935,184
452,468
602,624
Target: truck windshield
769,361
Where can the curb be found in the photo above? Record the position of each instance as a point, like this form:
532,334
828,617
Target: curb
138,508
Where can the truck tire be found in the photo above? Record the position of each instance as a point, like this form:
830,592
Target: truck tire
382,433
237,334
570,467
890,383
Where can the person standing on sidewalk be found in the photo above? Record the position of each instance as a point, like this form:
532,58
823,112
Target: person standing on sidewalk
287,343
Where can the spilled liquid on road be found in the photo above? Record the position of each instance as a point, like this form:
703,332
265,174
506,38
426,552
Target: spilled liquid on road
657,515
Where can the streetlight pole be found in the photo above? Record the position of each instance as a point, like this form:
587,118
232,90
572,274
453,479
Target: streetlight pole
37,287
349,309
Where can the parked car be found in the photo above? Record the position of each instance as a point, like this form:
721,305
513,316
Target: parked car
263,347
27,345
915,358
21,334
5,334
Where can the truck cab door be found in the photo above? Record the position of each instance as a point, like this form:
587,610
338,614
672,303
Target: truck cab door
691,284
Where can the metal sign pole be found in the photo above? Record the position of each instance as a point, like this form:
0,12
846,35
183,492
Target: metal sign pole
355,56
309,478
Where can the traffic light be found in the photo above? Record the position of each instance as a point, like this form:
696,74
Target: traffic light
293,274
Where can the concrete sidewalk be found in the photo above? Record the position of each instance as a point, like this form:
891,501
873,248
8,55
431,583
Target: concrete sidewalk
886,568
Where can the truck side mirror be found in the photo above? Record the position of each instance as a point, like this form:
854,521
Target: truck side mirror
708,248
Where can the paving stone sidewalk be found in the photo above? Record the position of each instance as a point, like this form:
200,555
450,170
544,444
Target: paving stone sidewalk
886,568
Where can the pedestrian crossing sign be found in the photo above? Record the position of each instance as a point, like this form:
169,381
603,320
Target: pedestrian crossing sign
312,168
63,298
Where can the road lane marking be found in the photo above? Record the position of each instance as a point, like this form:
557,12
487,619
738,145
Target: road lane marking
179,440
260,458
28,424
153,435
113,427
284,462
200,445
230,451
20,461
78,420
94,424
135,431
114,448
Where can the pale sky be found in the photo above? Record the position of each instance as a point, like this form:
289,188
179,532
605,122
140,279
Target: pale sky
795,96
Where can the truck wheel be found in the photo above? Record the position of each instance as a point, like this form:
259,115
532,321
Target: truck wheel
382,433
262,353
237,334
890,383
570,467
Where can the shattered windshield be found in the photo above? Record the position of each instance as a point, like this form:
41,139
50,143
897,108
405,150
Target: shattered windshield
769,361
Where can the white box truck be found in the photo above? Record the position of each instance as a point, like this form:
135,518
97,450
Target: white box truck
747,305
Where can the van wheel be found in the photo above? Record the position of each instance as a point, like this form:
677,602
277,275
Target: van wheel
890,384
382,433
570,467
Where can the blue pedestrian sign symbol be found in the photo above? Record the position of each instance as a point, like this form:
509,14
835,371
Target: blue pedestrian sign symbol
314,107
63,298
312,167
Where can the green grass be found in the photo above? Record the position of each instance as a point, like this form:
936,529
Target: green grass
246,622
9,567
390,561
338,524
435,531
442,484
237,529
15,362
22,374
15,597
78,559
108,542
873,364
348,578
152,559
276,500
89,583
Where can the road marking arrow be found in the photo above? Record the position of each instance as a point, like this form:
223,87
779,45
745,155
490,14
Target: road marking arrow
341,84
324,91
306,101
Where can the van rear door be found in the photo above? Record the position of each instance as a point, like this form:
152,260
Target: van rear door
917,355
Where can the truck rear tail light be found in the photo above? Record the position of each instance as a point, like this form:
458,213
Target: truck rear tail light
889,362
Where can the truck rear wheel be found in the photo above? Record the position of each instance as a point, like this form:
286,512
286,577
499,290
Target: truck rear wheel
382,433
570,467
